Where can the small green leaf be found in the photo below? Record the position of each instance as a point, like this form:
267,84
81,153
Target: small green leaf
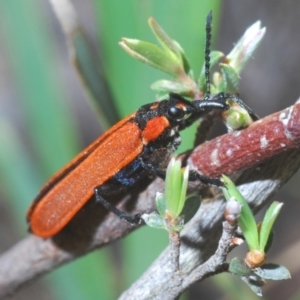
246,221
154,220
164,87
273,272
184,184
237,118
245,47
151,55
267,224
185,62
226,193
167,43
230,79
160,204
270,241
237,266
173,187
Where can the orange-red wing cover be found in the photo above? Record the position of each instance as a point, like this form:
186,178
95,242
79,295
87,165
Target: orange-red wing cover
68,190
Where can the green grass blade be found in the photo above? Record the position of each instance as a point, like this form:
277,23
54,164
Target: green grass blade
87,63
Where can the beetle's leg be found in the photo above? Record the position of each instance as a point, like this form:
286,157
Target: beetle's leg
194,176
101,191
224,97
153,163
161,173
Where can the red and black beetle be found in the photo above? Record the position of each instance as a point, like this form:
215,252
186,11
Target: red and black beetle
135,147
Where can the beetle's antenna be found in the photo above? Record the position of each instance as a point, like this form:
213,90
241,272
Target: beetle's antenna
207,54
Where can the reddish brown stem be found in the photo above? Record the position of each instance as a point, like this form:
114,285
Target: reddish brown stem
243,149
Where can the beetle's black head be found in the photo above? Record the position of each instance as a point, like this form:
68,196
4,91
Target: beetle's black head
174,109
177,110
182,112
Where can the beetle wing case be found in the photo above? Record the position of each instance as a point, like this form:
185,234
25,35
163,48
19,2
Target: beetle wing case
68,190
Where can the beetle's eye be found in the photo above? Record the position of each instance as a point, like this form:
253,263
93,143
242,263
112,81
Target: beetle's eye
175,112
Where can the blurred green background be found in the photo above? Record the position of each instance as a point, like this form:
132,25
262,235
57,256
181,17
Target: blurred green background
45,120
